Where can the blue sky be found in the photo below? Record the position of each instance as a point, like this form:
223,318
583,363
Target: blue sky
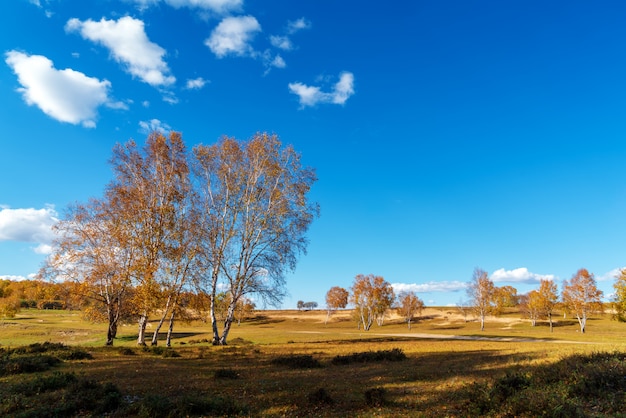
446,135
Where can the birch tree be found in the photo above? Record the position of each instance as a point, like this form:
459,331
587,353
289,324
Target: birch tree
582,297
255,213
481,294
90,250
409,306
371,296
150,191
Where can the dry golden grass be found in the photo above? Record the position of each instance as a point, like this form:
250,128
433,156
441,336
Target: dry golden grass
444,354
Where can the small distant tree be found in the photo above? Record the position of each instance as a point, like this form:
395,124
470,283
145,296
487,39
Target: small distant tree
504,297
309,305
540,303
409,306
582,297
245,308
463,308
619,299
372,296
300,305
549,297
481,294
336,298
9,307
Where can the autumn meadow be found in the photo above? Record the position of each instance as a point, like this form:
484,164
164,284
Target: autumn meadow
298,363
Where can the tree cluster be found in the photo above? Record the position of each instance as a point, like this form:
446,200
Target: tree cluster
226,221
579,296
373,297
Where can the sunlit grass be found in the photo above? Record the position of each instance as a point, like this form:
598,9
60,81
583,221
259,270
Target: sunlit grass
429,382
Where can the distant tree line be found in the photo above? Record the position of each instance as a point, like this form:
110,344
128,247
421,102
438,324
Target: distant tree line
373,299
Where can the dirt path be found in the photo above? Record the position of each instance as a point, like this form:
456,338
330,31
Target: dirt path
456,337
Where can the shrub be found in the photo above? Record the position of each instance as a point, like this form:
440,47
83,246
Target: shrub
572,387
297,361
320,397
394,354
26,364
127,351
226,374
169,353
376,397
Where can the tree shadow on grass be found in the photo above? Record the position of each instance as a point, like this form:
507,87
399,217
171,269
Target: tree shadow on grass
162,336
263,320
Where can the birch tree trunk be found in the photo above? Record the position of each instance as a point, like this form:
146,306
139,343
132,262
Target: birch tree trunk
141,337
168,342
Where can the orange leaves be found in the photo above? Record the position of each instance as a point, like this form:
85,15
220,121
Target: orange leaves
581,296
337,298
372,296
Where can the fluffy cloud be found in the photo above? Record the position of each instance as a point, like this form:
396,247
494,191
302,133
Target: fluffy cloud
312,95
453,286
611,275
154,125
232,36
28,225
195,84
129,45
519,275
65,95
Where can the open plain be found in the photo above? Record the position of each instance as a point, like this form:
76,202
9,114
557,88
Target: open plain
293,363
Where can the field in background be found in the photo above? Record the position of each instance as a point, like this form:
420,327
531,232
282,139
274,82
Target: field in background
444,354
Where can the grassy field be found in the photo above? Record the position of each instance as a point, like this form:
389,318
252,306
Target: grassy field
289,363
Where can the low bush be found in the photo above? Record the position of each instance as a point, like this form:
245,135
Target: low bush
395,354
297,361
376,397
320,398
567,388
127,351
189,405
59,394
226,374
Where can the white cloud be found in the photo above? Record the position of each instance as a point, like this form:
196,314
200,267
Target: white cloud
298,25
611,275
233,35
65,95
196,83
519,275
28,225
281,42
13,278
278,62
312,95
43,249
154,125
127,40
453,286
